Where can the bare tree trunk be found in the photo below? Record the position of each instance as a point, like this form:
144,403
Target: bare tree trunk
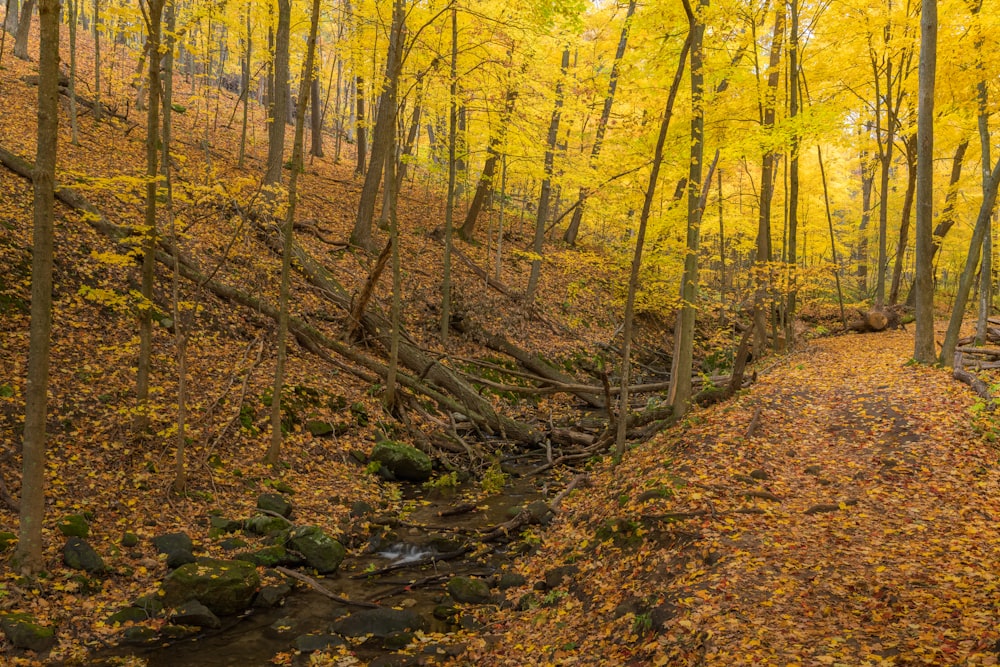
11,20
154,14
647,206
316,149
767,183
679,395
904,223
74,9
247,54
278,100
29,555
546,192
449,208
384,132
274,449
793,173
923,348
986,266
602,125
98,110
23,30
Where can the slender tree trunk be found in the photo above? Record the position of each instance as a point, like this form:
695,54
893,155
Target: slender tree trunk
11,20
793,173
154,14
247,55
602,125
904,222
273,454
411,136
767,183
647,206
546,192
986,266
883,209
391,390
23,30
29,555
316,133
923,349
679,395
385,123
833,237
861,249
449,208
98,109
278,99
359,124
74,8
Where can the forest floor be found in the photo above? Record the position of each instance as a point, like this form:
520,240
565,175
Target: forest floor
841,511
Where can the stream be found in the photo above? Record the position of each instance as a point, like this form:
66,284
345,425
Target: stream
256,637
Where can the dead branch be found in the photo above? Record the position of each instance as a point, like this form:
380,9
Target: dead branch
320,588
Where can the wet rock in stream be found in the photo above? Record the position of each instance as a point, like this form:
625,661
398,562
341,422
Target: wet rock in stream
380,623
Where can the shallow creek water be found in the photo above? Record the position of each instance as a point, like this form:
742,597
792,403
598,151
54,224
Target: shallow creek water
249,641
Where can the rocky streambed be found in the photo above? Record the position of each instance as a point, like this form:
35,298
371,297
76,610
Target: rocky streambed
393,594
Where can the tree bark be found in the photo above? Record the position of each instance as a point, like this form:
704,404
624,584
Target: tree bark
647,206
382,139
288,241
24,30
904,222
679,395
316,126
923,348
29,555
278,102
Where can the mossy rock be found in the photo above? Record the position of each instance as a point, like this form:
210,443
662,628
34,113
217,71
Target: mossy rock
403,461
79,555
466,589
225,587
276,503
263,524
128,615
74,525
220,525
130,540
324,429
322,552
23,632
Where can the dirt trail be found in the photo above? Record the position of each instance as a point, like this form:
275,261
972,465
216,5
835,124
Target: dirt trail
874,537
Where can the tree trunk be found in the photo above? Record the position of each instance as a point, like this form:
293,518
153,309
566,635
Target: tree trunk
74,8
986,266
274,449
449,207
767,182
11,20
384,132
602,125
98,110
647,206
546,192
24,30
923,349
316,134
149,238
247,54
29,555
793,172
278,103
904,223
679,395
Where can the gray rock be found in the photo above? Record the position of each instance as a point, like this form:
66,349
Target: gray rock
128,615
23,632
322,552
403,461
262,524
220,525
180,557
274,502
138,635
225,587
466,589
172,543
79,555
379,623
195,613
232,543
313,643
511,580
271,596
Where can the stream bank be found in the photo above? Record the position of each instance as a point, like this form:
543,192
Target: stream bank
415,574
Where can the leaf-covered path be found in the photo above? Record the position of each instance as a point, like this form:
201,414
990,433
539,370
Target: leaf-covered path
856,524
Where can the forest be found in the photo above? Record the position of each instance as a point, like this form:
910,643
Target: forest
548,332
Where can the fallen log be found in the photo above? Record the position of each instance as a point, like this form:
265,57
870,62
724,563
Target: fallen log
320,588
978,386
